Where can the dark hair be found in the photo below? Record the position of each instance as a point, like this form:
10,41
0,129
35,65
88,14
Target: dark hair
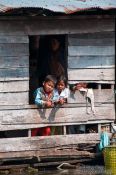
62,78
50,78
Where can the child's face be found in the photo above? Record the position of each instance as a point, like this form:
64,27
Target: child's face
61,86
103,129
48,86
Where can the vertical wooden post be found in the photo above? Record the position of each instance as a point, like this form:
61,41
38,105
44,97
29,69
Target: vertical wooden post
112,86
64,130
99,86
29,133
99,127
111,129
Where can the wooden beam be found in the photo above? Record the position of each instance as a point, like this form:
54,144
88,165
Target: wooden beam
13,39
14,61
100,96
14,49
59,115
14,86
64,130
91,41
91,50
91,61
93,81
16,98
16,127
52,152
45,142
44,26
95,35
14,73
91,74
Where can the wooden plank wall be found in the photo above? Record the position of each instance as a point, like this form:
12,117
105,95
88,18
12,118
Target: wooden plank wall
49,146
14,70
90,52
91,59
59,116
50,25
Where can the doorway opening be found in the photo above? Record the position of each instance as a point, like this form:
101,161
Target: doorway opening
45,51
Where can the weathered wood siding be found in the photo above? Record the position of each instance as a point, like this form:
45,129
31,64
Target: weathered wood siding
49,146
14,70
90,58
93,59
100,96
59,116
31,26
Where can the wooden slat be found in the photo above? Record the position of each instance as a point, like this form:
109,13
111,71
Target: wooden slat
91,74
91,42
14,61
10,127
12,49
91,62
91,50
58,115
14,39
4,79
101,96
38,143
96,35
14,86
92,81
52,152
13,73
18,98
33,106
67,26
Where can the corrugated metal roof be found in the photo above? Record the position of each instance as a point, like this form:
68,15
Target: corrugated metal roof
64,6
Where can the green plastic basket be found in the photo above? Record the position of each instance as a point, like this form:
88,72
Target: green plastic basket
110,159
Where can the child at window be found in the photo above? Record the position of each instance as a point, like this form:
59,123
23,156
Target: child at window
62,93
45,97
61,90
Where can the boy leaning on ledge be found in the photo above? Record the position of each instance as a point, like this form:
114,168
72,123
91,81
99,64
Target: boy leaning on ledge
45,97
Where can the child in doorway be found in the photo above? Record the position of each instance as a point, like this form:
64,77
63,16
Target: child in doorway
45,97
62,93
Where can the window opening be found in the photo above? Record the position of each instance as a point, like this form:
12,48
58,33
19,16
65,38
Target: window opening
13,133
105,86
93,128
43,59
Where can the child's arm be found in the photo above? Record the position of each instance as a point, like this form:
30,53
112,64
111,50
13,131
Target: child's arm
78,86
38,99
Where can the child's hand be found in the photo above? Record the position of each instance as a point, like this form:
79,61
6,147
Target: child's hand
78,86
61,101
49,104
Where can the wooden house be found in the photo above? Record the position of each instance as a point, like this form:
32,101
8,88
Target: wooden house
88,39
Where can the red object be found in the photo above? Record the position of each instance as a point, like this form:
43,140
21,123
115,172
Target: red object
46,131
